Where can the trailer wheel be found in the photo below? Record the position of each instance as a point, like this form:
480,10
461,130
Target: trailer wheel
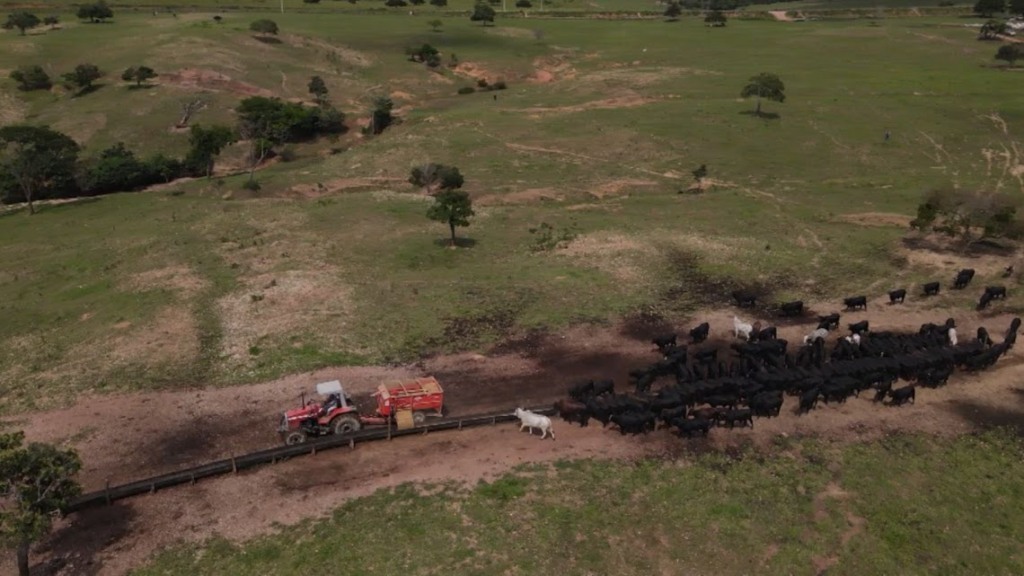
418,418
296,437
345,424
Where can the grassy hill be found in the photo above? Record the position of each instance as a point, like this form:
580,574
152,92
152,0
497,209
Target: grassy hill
333,261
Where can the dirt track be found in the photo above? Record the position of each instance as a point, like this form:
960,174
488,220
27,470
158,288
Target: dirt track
126,437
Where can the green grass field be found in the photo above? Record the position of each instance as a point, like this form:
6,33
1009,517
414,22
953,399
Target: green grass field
904,505
200,283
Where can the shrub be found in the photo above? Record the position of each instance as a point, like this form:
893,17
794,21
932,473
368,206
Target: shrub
288,154
523,4
253,186
467,90
499,85
31,78
481,83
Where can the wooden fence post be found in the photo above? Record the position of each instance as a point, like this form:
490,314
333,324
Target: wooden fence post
107,491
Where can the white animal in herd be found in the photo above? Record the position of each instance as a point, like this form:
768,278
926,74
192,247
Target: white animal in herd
739,327
819,333
533,420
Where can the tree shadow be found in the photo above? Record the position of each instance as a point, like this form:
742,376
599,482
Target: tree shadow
267,39
141,86
762,115
1008,415
73,549
460,242
87,90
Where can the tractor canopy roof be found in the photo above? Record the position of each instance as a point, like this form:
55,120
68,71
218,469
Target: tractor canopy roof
328,388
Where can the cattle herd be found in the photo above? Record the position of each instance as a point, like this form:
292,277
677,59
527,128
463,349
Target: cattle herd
692,389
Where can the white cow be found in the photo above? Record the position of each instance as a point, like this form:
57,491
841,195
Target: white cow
951,333
532,420
741,328
819,333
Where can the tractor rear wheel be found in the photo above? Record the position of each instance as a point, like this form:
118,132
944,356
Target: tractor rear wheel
346,424
295,437
419,417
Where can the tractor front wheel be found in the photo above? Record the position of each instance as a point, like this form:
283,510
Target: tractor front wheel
345,424
419,417
296,437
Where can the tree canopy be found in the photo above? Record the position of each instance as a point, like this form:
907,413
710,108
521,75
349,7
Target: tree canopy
380,116
454,208
318,88
764,85
138,74
31,78
51,21
36,482
673,11
22,21
1010,53
1016,7
426,54
715,19
988,8
991,30
436,177
83,76
97,12
37,160
482,13
264,26
961,213
205,144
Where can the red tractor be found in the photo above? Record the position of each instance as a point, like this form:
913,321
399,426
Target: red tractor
407,404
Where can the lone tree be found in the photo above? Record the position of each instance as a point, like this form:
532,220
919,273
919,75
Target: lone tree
482,13
51,21
1010,53
767,86
453,207
31,78
97,12
959,213
38,159
673,11
36,482
432,177
380,116
22,21
264,123
205,145
82,77
264,27
988,8
991,30
715,19
426,54
435,25
138,74
318,88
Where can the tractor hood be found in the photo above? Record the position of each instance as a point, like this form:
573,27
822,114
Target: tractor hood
300,414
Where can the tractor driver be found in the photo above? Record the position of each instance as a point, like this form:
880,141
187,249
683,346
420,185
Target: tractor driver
333,401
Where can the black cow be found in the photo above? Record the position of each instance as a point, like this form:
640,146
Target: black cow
855,302
963,278
664,342
996,291
829,322
769,333
700,333
883,388
582,390
744,299
984,301
603,387
792,308
931,288
858,327
900,396
688,427
808,400
1008,271
768,404
742,416
983,337
706,356
897,296
669,414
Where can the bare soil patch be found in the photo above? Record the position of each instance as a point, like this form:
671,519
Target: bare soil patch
942,253
477,72
178,278
552,68
527,196
211,80
631,100
877,219
124,437
341,185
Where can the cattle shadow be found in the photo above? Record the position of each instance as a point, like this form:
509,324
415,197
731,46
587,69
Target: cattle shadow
87,90
1009,415
75,548
135,87
267,39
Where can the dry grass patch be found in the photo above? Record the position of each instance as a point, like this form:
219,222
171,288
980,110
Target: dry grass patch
81,127
12,108
178,278
273,306
644,76
527,196
621,256
877,219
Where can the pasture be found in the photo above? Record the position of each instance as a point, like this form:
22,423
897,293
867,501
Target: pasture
332,262
899,505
